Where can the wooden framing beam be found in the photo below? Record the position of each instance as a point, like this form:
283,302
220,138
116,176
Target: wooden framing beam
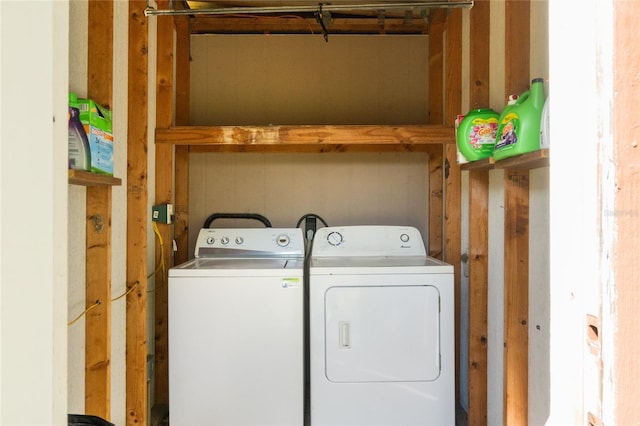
98,227
478,225
516,233
98,319
183,66
452,174
272,137
137,216
436,117
516,296
290,24
163,195
478,295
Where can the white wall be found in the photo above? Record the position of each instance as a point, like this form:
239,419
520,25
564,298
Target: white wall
583,80
33,201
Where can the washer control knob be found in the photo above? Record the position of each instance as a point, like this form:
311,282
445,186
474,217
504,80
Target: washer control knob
211,240
283,240
334,238
239,240
224,240
404,238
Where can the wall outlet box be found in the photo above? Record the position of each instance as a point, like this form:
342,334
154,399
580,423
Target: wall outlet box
162,213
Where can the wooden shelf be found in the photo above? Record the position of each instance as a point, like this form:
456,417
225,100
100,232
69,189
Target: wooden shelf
528,161
80,177
308,138
483,164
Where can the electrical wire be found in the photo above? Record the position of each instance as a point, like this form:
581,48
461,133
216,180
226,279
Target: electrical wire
84,313
161,267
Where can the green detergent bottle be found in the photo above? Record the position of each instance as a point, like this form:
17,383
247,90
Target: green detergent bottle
476,134
519,124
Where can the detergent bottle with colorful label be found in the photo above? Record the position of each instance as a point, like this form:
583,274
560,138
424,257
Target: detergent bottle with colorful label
519,123
476,134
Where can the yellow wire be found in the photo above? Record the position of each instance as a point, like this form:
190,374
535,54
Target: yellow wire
83,313
160,267
127,292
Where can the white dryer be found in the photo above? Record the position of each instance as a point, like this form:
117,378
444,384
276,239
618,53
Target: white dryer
381,318
236,330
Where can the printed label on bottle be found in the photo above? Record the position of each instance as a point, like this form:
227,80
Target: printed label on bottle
483,132
508,134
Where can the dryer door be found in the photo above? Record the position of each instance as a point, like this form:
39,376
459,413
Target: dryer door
382,333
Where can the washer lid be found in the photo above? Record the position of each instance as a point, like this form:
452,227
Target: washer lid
378,265
206,267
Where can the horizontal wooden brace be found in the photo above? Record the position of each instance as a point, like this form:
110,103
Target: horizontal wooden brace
305,138
290,24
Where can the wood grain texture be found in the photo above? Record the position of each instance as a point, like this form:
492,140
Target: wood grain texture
452,106
516,296
98,210
479,75
98,290
436,203
297,25
516,281
478,295
265,136
137,214
183,63
100,52
163,195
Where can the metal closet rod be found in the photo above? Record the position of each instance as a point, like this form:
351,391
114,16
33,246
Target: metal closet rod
149,11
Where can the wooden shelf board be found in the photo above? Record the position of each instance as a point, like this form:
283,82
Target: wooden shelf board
482,164
308,138
528,161
81,177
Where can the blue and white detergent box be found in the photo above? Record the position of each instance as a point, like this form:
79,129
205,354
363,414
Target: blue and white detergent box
96,120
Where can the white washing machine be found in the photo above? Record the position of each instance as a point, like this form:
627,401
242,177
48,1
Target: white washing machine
236,330
381,329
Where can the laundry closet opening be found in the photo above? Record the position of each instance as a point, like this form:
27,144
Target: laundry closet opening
300,80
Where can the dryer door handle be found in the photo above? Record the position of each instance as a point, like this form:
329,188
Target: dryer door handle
344,333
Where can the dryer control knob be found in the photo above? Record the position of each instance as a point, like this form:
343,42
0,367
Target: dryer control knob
224,240
211,240
334,238
283,240
239,240
404,238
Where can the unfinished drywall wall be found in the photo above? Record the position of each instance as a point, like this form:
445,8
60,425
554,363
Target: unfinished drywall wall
344,189
300,79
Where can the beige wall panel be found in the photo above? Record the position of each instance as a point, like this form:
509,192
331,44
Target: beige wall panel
343,188
276,79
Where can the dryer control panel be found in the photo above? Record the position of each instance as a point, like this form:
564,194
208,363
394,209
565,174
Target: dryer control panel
368,240
250,242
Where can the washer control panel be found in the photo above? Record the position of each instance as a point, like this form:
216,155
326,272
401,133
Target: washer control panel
250,242
368,240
